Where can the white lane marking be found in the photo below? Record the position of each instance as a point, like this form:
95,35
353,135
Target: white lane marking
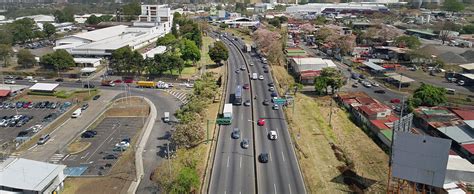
225,192
289,187
228,160
275,187
270,156
85,155
66,157
240,161
282,155
110,140
33,147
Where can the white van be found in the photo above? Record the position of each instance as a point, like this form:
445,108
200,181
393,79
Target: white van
254,76
450,91
167,117
76,113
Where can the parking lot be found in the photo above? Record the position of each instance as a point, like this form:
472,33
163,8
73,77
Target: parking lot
21,120
108,141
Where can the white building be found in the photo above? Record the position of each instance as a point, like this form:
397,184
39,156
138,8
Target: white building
154,22
241,22
39,18
319,8
155,13
18,175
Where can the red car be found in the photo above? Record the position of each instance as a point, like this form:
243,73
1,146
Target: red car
128,81
261,122
25,105
117,81
246,86
395,100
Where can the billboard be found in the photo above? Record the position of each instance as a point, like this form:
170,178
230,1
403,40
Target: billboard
419,158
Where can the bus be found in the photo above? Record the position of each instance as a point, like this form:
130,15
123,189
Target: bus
238,95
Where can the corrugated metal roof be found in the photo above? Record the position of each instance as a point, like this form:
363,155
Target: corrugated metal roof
373,66
464,113
4,93
461,134
469,66
28,174
44,87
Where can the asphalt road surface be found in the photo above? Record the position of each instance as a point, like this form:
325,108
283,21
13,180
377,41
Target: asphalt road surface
233,168
281,174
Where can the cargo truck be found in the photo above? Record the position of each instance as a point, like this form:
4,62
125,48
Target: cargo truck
146,84
108,83
248,48
227,113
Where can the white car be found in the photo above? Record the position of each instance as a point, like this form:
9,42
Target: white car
243,68
33,81
251,64
260,77
272,135
8,81
375,84
122,144
275,107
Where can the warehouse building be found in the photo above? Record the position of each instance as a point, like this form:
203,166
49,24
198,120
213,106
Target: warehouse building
18,175
307,68
320,8
154,22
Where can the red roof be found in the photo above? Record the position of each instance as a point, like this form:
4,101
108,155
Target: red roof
4,93
469,147
380,123
309,73
465,114
366,100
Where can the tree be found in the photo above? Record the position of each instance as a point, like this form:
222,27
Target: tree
167,40
5,36
323,34
223,25
345,44
332,77
429,95
5,52
186,180
468,29
49,29
411,42
445,35
218,52
321,85
190,52
63,16
25,58
164,177
131,10
93,20
275,22
453,6
22,30
59,60
188,135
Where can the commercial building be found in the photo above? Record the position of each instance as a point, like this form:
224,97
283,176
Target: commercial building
241,22
18,175
320,8
154,22
43,87
307,68
467,68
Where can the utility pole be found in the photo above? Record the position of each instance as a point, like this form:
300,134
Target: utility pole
330,114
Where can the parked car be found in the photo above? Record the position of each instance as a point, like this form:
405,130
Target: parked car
247,103
266,102
59,80
89,86
355,85
275,107
379,91
96,97
9,81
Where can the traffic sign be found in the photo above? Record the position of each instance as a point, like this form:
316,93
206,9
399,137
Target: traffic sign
223,121
279,101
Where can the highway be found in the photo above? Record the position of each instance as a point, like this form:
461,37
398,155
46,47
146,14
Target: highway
233,167
281,174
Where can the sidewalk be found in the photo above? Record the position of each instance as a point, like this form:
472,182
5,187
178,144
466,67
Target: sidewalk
62,135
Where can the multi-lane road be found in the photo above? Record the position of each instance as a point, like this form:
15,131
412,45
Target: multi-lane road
281,174
233,168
